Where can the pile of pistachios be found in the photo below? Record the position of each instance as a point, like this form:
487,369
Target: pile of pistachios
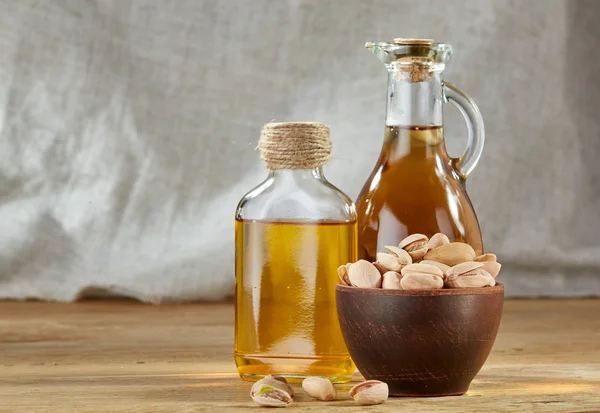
274,391
422,263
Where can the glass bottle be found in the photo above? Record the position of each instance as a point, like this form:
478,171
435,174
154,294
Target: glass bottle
292,232
415,186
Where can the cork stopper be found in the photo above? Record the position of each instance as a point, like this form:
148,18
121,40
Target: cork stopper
414,68
410,42
295,145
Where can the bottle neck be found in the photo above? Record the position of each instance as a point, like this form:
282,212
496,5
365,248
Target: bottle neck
411,104
296,175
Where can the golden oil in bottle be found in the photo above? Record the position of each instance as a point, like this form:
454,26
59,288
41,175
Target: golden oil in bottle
285,316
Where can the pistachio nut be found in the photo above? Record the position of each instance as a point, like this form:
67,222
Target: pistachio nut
490,277
481,279
283,380
382,270
363,274
415,245
369,392
486,257
451,254
441,266
418,254
388,261
437,240
492,267
422,269
391,281
278,382
401,255
419,281
464,268
319,388
343,274
266,395
413,242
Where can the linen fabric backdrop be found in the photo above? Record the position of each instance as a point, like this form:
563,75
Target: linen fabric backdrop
128,131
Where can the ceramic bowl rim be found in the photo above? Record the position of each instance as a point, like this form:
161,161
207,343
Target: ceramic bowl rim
497,289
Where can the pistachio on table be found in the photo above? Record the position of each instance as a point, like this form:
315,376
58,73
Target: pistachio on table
274,391
266,395
319,388
369,392
274,381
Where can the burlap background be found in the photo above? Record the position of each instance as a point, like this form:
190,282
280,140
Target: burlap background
128,129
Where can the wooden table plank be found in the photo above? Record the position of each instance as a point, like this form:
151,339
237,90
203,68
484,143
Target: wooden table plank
123,356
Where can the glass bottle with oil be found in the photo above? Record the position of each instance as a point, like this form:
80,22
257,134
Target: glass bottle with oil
415,186
292,232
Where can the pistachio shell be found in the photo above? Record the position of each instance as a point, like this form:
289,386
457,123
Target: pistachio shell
283,379
420,239
491,279
363,274
369,392
273,381
401,255
419,253
388,261
418,281
451,254
391,281
481,279
441,266
486,257
437,240
392,249
319,388
492,267
464,268
266,395
343,274
423,269
382,270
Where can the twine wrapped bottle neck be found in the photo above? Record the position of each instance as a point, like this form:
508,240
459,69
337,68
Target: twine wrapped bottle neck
295,145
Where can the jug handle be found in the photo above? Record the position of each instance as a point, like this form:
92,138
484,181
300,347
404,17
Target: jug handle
465,164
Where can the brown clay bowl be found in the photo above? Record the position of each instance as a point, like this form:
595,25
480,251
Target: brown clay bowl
420,342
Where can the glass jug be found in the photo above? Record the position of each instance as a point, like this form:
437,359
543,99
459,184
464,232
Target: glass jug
415,186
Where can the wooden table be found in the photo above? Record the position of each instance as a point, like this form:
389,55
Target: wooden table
121,356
